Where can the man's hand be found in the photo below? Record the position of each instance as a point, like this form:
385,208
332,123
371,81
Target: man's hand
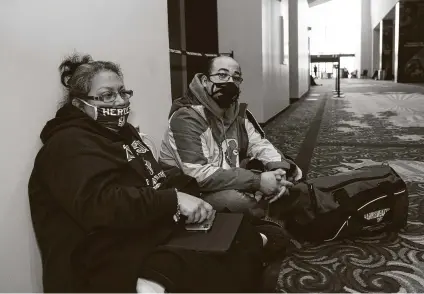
280,174
270,181
284,185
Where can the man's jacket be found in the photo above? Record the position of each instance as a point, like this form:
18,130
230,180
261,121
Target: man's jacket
210,146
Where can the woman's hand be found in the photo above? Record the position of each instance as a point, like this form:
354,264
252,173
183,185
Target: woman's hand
195,209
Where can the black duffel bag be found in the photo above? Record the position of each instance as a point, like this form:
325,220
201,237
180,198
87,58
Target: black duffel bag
365,201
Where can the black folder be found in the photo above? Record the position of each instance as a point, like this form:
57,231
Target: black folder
217,240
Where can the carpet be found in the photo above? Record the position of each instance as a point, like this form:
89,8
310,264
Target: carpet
375,123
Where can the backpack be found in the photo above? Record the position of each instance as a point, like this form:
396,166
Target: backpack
365,201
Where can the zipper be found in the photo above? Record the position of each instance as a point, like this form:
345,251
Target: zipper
381,197
328,189
346,223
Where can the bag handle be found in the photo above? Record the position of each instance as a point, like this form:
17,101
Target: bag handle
313,198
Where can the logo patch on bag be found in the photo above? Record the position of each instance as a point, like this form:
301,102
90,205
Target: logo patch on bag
378,214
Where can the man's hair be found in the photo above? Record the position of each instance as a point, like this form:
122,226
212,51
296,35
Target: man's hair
77,72
211,63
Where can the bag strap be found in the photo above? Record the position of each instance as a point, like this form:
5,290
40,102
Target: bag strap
313,198
245,113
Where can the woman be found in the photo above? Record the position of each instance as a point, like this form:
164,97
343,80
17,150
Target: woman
101,205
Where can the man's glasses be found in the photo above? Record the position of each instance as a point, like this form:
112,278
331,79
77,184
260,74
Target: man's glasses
109,97
226,77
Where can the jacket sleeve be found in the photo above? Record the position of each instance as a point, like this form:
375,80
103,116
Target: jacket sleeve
187,141
261,149
82,178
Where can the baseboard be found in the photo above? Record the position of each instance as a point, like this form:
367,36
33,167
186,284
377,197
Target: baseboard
292,106
294,100
274,117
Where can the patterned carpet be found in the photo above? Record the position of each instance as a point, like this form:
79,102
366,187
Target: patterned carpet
376,122
288,132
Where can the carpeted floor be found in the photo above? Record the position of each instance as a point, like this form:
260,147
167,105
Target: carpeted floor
376,122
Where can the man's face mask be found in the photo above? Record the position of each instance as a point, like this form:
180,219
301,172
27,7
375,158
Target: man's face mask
229,93
110,117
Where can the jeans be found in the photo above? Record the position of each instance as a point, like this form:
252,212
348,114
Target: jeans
236,201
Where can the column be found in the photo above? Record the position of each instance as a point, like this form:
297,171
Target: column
387,48
411,42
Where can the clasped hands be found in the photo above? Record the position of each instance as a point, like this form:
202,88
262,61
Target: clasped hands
274,184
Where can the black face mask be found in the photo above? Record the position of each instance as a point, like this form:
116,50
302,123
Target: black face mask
229,94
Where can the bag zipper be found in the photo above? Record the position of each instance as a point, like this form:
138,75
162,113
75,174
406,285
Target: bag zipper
366,204
327,189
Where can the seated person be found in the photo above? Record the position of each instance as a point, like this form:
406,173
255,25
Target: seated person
102,207
211,137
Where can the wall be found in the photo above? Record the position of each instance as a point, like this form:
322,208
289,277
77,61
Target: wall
366,38
379,9
275,75
303,48
396,42
245,38
376,50
298,48
35,35
294,49
256,45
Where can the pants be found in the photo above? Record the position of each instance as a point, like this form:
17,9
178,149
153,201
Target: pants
238,270
236,201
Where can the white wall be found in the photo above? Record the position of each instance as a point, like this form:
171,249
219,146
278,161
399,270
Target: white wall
245,38
275,75
376,50
366,37
379,9
303,49
299,51
294,48
256,45
396,42
35,35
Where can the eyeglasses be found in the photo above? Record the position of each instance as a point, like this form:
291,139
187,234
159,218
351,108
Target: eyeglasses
226,77
111,96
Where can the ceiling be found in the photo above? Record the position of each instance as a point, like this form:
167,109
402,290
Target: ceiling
313,3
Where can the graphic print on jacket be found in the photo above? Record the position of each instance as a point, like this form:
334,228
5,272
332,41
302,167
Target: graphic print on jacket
208,144
153,171
231,154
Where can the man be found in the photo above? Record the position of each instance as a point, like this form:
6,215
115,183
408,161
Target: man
211,137
315,70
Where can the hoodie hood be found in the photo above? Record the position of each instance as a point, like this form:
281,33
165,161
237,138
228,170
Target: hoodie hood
197,95
69,116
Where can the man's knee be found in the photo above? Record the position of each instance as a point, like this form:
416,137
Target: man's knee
231,199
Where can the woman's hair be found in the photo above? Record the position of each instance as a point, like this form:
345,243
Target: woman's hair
76,73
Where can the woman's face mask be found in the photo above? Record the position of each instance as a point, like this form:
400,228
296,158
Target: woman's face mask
110,117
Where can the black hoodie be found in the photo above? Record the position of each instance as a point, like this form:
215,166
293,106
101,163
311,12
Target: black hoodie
95,204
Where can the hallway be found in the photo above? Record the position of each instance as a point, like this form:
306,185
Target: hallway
376,122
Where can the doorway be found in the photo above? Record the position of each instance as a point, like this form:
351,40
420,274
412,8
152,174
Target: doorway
193,26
